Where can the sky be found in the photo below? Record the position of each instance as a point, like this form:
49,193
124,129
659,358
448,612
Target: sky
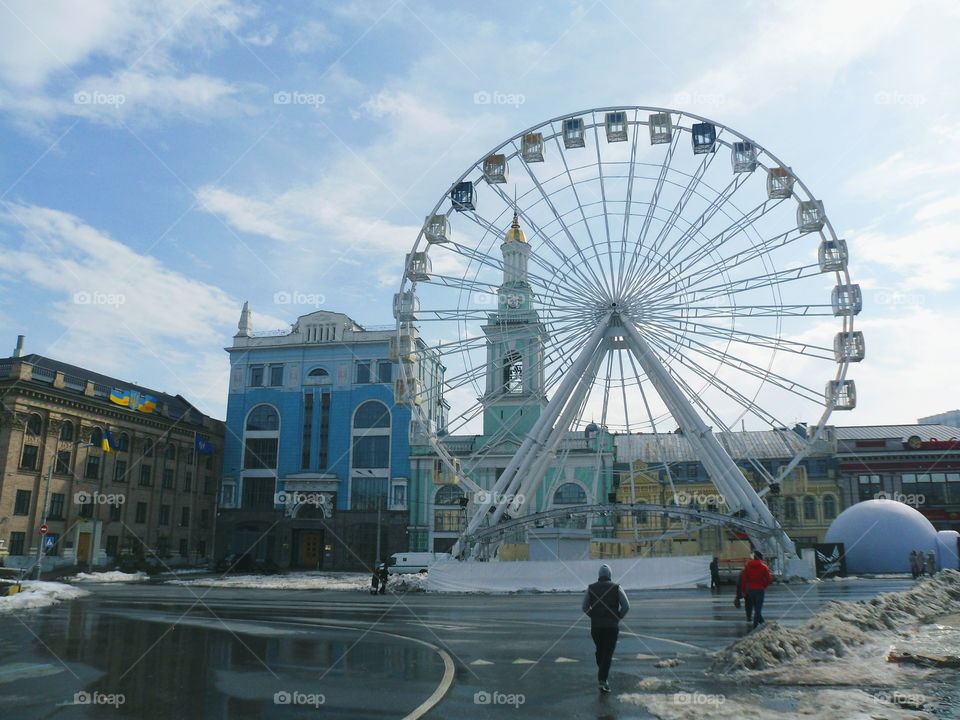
163,162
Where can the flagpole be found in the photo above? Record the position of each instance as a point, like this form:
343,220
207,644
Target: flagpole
193,491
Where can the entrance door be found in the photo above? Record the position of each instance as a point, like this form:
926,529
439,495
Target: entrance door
83,548
311,549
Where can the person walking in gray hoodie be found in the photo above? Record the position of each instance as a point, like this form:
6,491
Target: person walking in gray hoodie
606,604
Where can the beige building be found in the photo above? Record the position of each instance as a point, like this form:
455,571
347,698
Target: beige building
153,496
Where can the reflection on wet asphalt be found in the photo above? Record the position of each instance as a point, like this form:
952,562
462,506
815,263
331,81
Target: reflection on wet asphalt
159,651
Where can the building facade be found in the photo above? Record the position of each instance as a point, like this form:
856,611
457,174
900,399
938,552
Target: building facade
150,496
317,446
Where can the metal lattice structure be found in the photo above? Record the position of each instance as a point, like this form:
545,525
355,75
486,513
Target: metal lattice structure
623,270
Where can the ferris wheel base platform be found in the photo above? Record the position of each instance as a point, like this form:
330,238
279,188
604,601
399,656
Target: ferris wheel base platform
659,573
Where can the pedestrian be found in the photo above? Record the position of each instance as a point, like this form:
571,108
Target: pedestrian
756,578
921,563
383,578
914,565
747,603
715,573
931,563
606,604
374,582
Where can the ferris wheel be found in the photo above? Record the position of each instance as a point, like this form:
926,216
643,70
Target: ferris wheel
628,270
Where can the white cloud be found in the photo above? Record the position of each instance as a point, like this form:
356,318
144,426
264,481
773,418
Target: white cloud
310,36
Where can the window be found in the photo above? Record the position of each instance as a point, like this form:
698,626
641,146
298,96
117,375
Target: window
115,510
141,513
398,496
263,418
187,481
256,376
96,437
146,475
790,509
829,507
307,430
168,478
260,454
204,518
183,547
170,453
21,505
208,484
324,434
86,509
570,494
92,471
363,372
372,414
809,508
318,376
368,493
164,515
28,459
513,373
123,442
385,371
120,471
227,495
258,493
66,431
371,451
113,542
16,543
34,425
276,375
148,447
869,486
447,516
63,462
56,506
184,517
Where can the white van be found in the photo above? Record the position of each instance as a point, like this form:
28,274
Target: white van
414,562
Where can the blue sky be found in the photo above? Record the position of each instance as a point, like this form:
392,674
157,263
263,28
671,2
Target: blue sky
153,178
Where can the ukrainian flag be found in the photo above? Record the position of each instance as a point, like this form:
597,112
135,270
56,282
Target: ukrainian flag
109,444
147,404
120,397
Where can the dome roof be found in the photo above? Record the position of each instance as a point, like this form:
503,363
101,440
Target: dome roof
878,535
515,234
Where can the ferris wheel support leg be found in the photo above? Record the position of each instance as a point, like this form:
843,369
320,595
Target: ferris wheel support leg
536,435
723,471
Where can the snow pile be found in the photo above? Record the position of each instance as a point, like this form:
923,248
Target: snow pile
113,576
823,705
37,594
841,627
289,581
407,583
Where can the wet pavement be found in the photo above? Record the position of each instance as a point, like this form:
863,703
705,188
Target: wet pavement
163,651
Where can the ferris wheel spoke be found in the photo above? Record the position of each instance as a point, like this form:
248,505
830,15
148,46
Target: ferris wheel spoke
603,198
627,207
735,287
727,311
720,332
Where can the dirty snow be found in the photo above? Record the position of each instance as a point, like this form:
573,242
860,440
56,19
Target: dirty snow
112,576
36,594
309,581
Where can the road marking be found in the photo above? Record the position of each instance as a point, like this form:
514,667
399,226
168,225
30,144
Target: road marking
563,659
524,661
481,662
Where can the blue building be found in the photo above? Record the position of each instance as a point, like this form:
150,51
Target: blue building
315,445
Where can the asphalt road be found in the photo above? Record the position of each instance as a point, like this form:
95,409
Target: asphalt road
163,651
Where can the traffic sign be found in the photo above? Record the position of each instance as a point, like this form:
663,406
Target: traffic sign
49,541
43,529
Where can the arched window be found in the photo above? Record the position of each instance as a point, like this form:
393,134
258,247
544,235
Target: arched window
809,508
123,442
829,507
34,425
448,495
790,508
372,414
318,376
513,373
447,516
148,448
66,431
171,452
569,494
263,417
318,372
96,437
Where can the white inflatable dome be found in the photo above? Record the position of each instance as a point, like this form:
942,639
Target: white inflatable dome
878,536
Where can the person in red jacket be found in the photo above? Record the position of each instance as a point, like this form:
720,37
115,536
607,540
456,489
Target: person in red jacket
755,578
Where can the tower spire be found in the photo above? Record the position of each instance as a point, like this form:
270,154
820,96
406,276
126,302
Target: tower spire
245,326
